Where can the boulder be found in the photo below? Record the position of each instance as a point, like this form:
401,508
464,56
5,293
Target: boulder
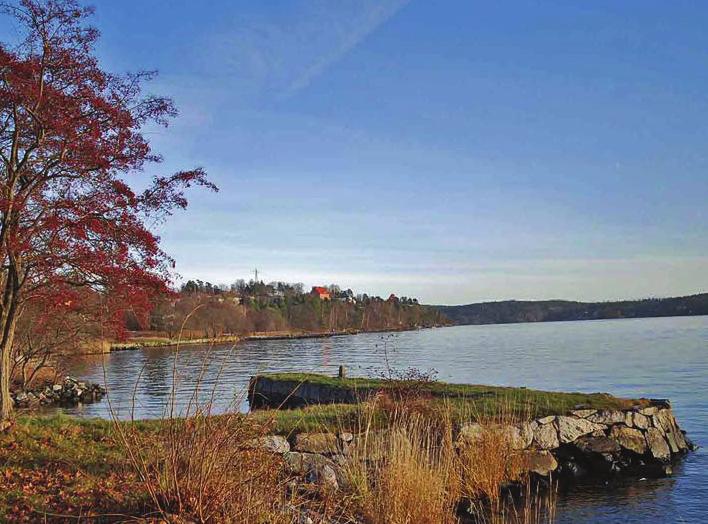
664,419
657,444
628,419
471,432
570,428
540,462
629,438
545,436
583,413
346,437
599,445
316,443
649,410
641,421
272,443
315,468
546,420
519,436
326,477
607,417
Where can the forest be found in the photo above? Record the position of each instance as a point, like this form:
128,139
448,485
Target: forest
511,311
203,310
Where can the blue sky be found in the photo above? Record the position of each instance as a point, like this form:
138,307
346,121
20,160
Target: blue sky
456,151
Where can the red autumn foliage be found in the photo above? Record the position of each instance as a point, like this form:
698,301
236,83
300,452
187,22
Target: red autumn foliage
70,141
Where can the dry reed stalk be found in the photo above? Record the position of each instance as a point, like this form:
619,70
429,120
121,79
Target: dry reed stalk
205,467
405,474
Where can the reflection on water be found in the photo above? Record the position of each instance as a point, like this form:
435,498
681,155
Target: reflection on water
665,357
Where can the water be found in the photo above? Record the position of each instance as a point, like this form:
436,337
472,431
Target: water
663,357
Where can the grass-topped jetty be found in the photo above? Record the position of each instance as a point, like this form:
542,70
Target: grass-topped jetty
354,450
288,390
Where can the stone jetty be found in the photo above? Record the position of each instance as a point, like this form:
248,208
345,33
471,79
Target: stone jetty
69,392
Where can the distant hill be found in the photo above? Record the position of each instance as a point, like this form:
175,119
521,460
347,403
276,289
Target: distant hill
511,311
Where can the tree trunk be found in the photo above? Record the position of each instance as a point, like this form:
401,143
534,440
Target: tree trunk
7,325
5,400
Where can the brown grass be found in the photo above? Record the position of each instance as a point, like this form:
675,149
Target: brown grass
205,468
487,463
406,474
414,471
208,469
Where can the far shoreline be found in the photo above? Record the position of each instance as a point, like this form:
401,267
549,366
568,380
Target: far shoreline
148,343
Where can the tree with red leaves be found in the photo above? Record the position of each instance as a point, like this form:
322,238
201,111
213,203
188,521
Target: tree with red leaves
71,227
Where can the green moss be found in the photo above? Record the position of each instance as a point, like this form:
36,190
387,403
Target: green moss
469,400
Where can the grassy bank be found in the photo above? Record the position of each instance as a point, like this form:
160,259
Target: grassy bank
63,469
465,401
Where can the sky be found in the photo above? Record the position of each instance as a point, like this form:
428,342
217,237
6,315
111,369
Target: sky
455,151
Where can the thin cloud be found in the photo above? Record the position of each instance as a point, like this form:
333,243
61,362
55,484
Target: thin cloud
372,16
280,57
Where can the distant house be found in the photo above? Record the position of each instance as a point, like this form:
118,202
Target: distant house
320,292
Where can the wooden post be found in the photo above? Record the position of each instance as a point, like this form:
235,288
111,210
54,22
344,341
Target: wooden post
342,372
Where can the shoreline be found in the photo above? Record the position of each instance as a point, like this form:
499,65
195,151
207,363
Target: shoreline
321,449
237,339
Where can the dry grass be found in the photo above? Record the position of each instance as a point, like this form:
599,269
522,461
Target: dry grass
415,471
208,470
406,474
205,468
487,463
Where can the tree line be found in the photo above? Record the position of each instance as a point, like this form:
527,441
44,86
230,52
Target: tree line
511,311
201,309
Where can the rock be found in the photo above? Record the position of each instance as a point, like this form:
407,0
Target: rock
657,444
648,411
346,437
57,388
671,439
315,468
294,462
664,419
519,436
525,433
546,437
641,421
681,440
570,428
316,443
607,417
471,432
600,445
583,413
629,438
272,443
326,477
540,462
546,420
628,419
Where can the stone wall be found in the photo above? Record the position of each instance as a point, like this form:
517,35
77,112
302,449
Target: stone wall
641,442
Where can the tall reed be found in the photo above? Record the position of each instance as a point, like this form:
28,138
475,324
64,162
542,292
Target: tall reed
205,467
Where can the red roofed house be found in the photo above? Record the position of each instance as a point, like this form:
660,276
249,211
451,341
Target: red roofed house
321,292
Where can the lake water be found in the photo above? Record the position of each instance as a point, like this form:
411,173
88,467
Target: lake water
658,357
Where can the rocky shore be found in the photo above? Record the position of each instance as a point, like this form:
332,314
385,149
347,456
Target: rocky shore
70,392
638,442
641,441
